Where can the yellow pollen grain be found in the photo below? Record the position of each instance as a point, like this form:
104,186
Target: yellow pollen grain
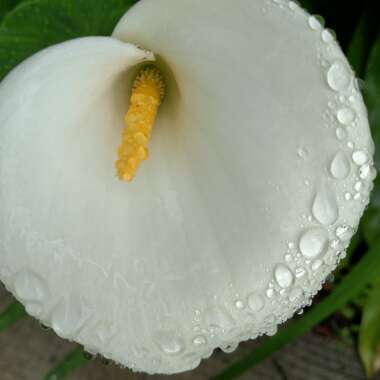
147,93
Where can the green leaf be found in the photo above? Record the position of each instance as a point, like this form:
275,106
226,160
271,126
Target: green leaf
373,78
6,6
371,220
362,41
74,360
11,315
360,276
371,223
37,24
369,334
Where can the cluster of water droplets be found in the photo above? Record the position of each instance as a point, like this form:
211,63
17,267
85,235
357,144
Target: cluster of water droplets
310,258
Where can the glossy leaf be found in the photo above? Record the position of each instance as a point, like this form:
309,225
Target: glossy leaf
360,276
369,335
35,25
11,315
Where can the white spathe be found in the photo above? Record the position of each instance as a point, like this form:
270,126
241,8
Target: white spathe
235,220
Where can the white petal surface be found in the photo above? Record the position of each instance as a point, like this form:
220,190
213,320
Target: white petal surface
235,220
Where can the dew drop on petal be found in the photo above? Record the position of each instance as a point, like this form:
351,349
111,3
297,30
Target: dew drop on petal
199,340
283,276
340,166
339,76
341,134
364,171
313,242
169,342
316,265
360,157
344,232
325,207
300,272
346,116
315,22
218,316
328,36
231,347
303,153
256,302
293,5
347,196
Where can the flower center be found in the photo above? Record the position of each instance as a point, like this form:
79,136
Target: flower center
147,94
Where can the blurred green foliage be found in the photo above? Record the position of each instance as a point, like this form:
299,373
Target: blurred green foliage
28,26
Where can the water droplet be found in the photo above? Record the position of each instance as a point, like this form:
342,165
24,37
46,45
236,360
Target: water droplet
239,304
343,232
347,196
270,293
342,98
350,145
256,302
313,242
199,340
295,294
328,36
288,257
340,166
300,272
358,186
169,342
360,157
341,134
339,76
228,348
219,317
315,22
325,207
364,171
346,115
283,275
316,265
303,153
293,5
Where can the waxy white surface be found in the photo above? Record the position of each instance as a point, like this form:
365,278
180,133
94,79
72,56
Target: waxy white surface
238,216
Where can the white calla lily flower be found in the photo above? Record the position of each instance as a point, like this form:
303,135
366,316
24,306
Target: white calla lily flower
259,171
